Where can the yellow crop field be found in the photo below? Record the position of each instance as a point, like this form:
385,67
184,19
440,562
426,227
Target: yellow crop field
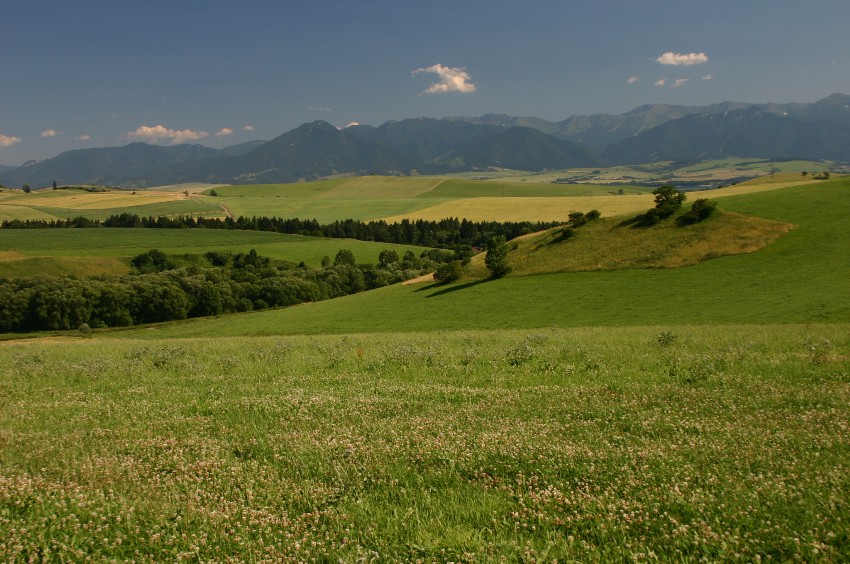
12,212
73,199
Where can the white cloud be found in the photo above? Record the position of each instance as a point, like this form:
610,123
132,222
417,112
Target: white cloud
158,132
49,133
6,141
680,59
451,79
680,82
352,124
632,79
661,82
248,128
708,77
84,138
223,132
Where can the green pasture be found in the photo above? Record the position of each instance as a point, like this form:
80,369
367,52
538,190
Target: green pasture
127,243
454,188
676,442
802,277
325,211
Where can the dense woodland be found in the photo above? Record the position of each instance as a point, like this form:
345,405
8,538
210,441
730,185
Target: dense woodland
445,233
213,284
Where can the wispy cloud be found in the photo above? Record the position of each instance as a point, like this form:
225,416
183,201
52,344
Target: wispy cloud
158,132
223,132
681,59
318,109
632,79
248,128
49,133
708,77
352,124
85,137
7,141
661,82
680,82
452,79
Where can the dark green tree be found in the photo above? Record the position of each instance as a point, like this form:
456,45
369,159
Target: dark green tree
668,198
449,272
387,257
497,257
344,257
700,210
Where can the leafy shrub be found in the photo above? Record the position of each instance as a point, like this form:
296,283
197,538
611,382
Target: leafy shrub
152,261
577,219
701,210
449,272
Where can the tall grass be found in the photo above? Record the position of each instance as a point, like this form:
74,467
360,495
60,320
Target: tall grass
671,442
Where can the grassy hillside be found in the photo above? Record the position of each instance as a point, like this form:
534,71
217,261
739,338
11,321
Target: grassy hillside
589,445
35,251
800,278
608,244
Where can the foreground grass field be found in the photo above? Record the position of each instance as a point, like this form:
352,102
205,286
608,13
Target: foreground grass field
672,442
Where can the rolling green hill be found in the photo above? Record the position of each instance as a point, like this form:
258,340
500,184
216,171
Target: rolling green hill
25,252
800,278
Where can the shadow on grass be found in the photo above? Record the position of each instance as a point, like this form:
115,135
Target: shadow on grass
442,289
636,222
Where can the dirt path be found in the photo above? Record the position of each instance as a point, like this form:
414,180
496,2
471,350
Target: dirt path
226,211
419,280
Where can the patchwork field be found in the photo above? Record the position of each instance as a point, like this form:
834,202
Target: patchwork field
66,204
711,172
642,413
363,198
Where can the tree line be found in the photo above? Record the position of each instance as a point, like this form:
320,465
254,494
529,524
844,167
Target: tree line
446,233
214,284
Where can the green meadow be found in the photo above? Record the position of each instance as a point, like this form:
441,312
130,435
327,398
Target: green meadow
626,411
678,443
36,251
801,277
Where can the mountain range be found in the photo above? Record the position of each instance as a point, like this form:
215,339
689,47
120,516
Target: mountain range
651,133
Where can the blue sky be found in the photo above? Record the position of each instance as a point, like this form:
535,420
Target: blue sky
82,74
